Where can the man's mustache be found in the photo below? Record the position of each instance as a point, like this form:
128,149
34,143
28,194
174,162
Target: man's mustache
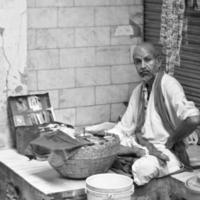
143,73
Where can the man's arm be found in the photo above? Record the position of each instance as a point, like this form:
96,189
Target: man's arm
186,111
185,128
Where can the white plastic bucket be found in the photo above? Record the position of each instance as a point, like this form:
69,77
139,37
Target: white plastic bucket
109,186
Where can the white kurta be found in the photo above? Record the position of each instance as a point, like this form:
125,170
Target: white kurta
179,109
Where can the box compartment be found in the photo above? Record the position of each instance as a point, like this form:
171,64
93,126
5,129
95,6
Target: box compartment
26,114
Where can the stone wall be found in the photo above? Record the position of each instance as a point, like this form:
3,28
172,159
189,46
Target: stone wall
79,51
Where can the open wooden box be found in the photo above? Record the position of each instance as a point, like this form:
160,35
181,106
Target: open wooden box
26,114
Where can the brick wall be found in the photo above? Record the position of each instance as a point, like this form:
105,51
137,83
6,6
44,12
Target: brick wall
75,55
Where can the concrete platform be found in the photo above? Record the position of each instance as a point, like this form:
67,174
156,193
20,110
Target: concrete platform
37,180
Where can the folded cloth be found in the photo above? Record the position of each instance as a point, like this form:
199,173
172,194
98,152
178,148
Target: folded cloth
55,141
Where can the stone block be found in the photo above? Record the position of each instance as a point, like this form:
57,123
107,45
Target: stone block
31,80
111,15
42,17
93,36
92,115
77,57
112,55
122,2
54,3
138,2
54,38
43,59
76,17
117,111
56,79
93,76
30,3
66,116
31,38
123,39
77,97
137,18
135,10
54,98
91,2
111,94
124,74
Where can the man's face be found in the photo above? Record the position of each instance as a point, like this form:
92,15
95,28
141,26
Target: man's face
146,64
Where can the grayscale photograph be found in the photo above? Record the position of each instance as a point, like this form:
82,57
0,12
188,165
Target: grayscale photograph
99,100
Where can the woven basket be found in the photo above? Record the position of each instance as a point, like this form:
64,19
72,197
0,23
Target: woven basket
87,160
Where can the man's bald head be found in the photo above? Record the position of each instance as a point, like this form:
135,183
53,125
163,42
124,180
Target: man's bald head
148,47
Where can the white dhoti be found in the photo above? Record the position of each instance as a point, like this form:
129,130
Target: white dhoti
148,167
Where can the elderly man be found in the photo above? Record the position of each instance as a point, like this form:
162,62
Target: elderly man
157,119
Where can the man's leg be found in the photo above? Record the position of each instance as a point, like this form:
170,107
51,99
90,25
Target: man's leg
148,167
144,169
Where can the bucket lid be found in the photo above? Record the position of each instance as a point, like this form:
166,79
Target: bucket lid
109,182
193,183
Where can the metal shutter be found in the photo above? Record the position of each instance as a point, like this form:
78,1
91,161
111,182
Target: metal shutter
189,72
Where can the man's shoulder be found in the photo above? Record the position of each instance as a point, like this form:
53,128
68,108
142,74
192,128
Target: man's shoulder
169,80
170,84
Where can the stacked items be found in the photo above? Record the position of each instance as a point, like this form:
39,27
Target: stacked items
30,110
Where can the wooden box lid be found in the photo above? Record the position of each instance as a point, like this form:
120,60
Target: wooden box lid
29,110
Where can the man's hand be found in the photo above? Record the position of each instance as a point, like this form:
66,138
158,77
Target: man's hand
162,158
184,129
170,143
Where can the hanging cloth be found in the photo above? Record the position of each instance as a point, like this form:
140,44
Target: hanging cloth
172,22
141,110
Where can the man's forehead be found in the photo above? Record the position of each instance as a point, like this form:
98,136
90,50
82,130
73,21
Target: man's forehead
143,50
